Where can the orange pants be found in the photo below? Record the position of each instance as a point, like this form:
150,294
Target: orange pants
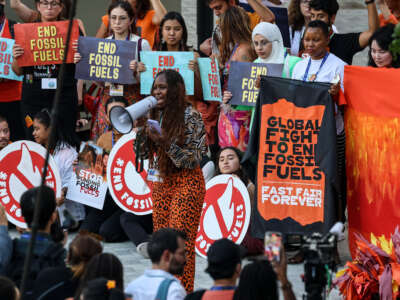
178,202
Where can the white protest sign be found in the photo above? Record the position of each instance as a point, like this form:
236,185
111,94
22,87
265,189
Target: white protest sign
130,190
226,212
21,167
88,180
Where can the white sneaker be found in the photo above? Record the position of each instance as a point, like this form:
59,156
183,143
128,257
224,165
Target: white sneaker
142,249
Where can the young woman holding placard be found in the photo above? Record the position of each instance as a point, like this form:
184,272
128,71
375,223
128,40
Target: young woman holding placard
122,25
36,95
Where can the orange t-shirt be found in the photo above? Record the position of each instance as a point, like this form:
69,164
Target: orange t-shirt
10,90
392,20
254,19
146,28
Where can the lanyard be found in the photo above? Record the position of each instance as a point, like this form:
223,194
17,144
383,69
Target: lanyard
222,288
320,67
112,138
232,54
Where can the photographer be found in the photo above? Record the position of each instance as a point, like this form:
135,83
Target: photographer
258,281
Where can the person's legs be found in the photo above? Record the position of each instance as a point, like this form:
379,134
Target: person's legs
162,196
96,217
136,227
111,229
186,207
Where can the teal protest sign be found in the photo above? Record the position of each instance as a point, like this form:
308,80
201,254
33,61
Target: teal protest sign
6,60
210,80
158,61
243,77
105,60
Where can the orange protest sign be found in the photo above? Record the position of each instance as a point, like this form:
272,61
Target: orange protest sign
44,43
290,183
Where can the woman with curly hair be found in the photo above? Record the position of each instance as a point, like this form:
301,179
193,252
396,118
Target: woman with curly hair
236,45
175,153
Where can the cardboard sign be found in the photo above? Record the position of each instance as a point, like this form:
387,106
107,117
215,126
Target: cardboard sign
88,181
6,59
105,60
21,167
158,61
294,140
210,80
130,190
226,212
44,43
242,80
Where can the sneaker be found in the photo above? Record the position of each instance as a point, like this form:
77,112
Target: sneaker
142,249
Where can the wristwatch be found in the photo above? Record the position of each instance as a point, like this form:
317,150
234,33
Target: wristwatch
369,2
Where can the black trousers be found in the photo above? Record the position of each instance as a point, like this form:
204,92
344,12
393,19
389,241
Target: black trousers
12,112
137,228
105,222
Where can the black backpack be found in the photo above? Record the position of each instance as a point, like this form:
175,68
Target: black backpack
53,256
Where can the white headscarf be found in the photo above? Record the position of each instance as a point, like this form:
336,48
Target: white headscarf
272,33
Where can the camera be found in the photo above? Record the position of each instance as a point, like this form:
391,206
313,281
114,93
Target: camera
319,264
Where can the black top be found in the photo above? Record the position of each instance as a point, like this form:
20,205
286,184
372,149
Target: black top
345,46
55,283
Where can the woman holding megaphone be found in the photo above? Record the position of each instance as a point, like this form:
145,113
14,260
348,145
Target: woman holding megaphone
175,150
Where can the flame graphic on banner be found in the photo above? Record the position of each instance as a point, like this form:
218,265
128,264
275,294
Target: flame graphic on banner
226,208
26,168
373,170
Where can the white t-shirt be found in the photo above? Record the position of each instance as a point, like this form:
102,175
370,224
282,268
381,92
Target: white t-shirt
333,66
145,287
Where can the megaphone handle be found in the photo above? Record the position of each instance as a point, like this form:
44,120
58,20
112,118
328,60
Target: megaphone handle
138,156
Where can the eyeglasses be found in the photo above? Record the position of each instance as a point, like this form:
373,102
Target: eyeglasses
51,4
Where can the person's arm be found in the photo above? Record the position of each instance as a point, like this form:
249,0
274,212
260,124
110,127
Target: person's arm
188,156
373,25
81,26
5,241
244,54
264,12
194,66
384,9
281,271
17,52
159,10
102,31
25,13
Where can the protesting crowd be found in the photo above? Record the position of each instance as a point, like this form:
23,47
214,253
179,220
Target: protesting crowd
261,102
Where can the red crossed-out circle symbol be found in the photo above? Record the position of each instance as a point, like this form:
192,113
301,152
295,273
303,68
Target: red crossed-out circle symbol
21,167
130,190
226,212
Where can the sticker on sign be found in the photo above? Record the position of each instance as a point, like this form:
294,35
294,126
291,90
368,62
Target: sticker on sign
130,190
21,167
226,212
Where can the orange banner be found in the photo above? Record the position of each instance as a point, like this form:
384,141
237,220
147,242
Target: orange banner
290,183
372,122
44,43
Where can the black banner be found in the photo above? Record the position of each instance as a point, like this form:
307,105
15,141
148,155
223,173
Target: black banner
292,157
